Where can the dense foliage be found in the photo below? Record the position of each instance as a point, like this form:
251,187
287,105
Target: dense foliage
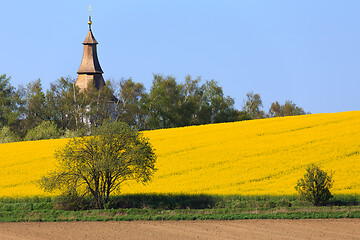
167,104
315,185
45,130
98,165
11,104
7,136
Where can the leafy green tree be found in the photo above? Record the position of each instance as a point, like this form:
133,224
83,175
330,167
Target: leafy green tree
35,104
58,101
253,104
6,92
315,185
45,130
164,103
177,105
288,109
99,104
130,105
191,94
11,103
99,164
275,110
66,105
215,107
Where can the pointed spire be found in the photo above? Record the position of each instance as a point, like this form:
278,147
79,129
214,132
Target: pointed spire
90,70
90,39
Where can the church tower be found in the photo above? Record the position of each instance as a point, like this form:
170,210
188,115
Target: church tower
90,71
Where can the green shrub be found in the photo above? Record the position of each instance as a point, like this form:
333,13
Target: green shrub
8,136
315,185
46,130
73,134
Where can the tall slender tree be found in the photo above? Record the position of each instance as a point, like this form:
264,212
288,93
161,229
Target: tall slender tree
131,104
65,104
253,105
35,104
191,93
99,104
10,102
215,106
164,102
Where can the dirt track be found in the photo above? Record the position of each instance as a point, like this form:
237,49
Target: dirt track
243,229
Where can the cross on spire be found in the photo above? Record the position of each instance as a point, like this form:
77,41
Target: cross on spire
90,22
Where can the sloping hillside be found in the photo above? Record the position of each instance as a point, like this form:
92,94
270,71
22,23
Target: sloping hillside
253,157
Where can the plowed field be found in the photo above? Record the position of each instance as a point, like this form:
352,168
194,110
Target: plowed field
243,229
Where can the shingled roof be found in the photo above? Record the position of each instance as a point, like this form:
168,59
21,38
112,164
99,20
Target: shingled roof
90,71
90,38
90,62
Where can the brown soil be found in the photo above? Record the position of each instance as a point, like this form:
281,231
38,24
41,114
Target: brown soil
242,229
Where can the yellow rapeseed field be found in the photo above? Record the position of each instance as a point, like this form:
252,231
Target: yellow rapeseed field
252,157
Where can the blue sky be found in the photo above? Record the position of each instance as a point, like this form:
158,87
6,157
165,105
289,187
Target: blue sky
304,51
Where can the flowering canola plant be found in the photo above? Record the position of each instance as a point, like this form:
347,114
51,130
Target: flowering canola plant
257,157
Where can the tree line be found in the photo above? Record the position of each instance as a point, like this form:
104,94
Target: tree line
30,113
